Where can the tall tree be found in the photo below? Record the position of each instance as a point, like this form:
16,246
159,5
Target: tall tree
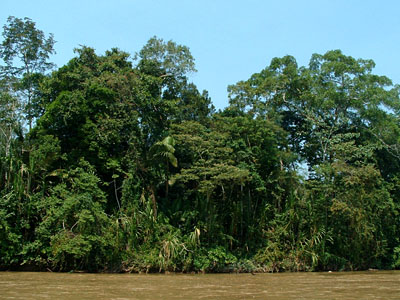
25,51
341,121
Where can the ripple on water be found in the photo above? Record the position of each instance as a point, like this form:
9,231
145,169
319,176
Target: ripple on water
64,286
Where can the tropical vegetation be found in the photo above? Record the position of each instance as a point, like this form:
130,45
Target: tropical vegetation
115,162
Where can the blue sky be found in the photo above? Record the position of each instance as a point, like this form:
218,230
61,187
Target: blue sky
229,39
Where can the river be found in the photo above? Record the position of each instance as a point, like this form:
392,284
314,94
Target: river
346,285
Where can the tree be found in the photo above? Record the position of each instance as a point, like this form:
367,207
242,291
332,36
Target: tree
341,123
165,59
25,51
73,232
10,131
335,94
127,162
164,67
162,153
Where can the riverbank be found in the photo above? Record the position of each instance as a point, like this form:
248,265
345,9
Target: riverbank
251,269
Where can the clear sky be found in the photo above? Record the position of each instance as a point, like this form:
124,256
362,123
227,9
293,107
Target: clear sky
229,39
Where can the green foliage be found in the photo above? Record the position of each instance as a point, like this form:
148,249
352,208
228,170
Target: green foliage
10,237
129,168
396,258
25,51
214,260
169,58
74,230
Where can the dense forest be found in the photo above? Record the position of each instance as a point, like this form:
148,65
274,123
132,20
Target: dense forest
117,162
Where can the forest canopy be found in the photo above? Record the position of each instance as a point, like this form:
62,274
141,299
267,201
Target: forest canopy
117,162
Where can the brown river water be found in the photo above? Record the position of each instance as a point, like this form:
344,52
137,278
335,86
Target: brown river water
346,285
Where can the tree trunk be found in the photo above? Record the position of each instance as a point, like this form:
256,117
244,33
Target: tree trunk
153,200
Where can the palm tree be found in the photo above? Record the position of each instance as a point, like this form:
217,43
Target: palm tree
162,155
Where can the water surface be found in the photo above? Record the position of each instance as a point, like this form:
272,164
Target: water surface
353,285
